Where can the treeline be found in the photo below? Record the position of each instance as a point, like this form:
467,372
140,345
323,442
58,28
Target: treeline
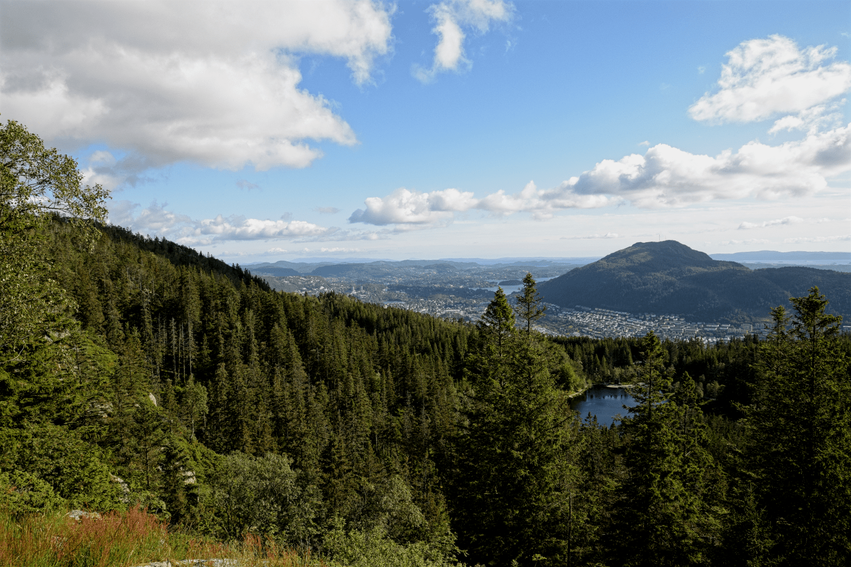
137,371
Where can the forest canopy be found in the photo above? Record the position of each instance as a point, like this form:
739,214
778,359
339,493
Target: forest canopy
136,371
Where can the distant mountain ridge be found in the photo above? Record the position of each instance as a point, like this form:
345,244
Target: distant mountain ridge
671,278
798,257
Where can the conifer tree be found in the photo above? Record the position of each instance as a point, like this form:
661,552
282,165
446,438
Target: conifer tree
511,489
529,305
660,517
800,432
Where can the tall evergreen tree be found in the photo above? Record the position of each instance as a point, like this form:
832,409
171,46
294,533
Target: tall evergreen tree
660,517
511,488
800,432
529,305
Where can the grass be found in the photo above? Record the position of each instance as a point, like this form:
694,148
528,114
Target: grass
126,539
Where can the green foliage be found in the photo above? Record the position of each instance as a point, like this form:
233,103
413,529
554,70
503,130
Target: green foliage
662,515
265,496
373,548
800,430
34,182
513,472
23,493
498,319
74,470
372,433
529,306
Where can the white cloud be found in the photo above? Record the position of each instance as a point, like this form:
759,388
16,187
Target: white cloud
240,228
170,82
775,222
804,239
663,177
338,250
158,220
667,176
762,78
155,219
766,77
812,119
451,17
327,210
411,207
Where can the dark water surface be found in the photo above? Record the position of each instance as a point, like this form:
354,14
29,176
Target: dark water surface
605,403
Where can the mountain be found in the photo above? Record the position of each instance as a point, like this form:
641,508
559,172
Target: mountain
671,278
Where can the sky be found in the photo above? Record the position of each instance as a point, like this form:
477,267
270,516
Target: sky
270,130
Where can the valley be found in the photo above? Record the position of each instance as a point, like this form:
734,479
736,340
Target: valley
665,287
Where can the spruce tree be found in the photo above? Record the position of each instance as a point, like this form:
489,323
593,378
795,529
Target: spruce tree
659,517
512,483
529,306
800,432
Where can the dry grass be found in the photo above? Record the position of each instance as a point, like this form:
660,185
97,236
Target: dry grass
126,539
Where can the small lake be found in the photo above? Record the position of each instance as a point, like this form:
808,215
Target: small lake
509,289
605,403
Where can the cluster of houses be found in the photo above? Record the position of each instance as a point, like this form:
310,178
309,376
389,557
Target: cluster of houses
599,323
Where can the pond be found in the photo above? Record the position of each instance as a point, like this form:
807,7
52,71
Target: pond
604,402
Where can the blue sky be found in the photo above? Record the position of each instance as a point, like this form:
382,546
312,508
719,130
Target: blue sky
259,131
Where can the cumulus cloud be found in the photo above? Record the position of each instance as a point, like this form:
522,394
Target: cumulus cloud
663,177
412,207
241,228
762,78
114,172
157,220
667,176
775,222
168,82
812,119
766,77
451,18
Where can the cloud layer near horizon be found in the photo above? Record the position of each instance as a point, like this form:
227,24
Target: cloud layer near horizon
762,78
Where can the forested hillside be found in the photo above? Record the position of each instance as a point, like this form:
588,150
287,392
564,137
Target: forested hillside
671,278
139,372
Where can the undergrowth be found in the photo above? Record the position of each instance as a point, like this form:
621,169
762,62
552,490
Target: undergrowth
126,539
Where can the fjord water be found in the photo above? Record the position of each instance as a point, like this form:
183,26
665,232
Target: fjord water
604,402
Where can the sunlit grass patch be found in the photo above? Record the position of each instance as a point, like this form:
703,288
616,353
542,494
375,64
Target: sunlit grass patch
129,539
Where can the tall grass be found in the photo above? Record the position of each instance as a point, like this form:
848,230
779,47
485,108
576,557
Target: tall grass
125,539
